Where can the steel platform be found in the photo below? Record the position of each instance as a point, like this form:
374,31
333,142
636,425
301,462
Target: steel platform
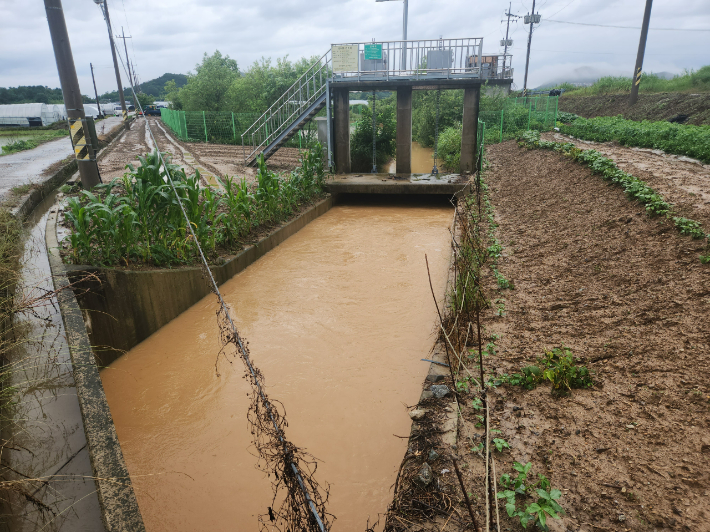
441,184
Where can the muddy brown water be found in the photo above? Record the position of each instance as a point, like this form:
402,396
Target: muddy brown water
422,160
338,318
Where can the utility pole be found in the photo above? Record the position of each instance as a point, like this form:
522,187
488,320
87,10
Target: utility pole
83,151
639,57
508,42
532,19
104,7
95,91
131,77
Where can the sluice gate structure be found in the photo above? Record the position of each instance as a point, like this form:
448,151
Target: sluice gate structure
401,66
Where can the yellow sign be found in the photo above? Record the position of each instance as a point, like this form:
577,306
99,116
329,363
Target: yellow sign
345,58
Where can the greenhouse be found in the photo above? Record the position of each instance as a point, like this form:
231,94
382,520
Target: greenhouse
28,115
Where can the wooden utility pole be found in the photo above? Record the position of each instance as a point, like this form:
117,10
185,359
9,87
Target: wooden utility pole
83,151
104,6
527,60
131,77
636,79
95,91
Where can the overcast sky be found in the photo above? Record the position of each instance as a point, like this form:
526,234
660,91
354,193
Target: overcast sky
171,36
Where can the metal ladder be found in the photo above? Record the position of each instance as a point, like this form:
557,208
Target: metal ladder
289,113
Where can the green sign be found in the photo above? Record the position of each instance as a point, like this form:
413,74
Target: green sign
373,52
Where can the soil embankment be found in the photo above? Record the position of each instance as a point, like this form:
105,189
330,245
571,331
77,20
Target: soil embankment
660,106
628,295
338,318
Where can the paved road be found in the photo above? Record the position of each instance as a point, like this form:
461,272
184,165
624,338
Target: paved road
30,166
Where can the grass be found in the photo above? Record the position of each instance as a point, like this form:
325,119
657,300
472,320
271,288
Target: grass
688,81
38,137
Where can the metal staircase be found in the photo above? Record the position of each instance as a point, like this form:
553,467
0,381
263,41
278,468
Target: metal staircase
289,113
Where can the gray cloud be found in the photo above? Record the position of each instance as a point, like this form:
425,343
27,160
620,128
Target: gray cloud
172,36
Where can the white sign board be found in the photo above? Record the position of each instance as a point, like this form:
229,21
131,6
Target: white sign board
345,58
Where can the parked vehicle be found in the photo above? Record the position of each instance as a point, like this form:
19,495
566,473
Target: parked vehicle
117,111
151,110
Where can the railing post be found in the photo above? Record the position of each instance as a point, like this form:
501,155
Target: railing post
204,122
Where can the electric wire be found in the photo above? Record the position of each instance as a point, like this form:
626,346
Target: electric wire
225,309
624,27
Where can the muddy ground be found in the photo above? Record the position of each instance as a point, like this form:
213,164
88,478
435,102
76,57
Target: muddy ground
629,296
661,106
682,181
216,159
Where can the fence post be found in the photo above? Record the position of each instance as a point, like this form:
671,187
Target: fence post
547,107
529,113
204,122
557,103
184,122
501,124
234,128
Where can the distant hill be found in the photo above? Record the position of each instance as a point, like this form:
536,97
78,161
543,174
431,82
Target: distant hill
32,94
155,87
585,76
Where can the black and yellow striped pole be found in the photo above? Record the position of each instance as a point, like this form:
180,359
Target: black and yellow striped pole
636,81
85,156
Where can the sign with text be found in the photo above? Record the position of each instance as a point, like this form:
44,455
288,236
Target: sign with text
373,52
345,58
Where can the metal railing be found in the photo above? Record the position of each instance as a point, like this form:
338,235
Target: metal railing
292,104
384,60
422,59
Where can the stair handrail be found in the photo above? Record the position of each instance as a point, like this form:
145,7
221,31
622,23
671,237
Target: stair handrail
315,70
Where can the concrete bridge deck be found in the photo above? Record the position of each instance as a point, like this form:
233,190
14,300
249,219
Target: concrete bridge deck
384,183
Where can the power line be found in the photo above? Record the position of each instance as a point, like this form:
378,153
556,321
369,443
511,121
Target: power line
623,27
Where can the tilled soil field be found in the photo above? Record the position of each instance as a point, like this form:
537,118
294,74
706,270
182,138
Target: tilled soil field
681,181
221,160
628,295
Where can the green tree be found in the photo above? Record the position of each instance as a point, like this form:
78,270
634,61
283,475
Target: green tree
145,99
207,87
263,83
424,113
172,94
385,135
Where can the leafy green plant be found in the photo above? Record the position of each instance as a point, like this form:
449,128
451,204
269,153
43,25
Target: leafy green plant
537,512
693,141
688,227
500,444
558,366
139,217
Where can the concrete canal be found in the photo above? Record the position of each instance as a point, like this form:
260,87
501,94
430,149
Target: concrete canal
338,318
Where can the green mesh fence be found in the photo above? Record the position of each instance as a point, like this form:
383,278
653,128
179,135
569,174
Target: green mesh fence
520,114
218,127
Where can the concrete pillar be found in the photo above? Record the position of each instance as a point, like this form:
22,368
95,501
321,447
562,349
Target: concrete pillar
469,135
341,130
404,130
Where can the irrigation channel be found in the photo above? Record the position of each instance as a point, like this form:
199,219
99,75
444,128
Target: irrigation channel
338,318
422,160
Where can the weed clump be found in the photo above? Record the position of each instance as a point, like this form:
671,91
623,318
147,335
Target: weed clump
558,366
537,512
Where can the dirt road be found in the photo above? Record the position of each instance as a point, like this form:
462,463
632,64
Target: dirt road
211,159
